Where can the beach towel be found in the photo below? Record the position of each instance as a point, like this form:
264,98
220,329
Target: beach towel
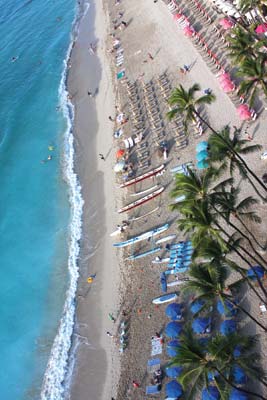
153,365
156,344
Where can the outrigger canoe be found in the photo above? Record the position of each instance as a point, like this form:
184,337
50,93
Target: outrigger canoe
141,201
141,255
143,236
142,177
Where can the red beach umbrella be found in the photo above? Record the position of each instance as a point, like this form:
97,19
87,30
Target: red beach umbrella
120,153
188,31
261,28
226,23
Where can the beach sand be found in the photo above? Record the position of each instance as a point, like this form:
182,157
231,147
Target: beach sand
99,371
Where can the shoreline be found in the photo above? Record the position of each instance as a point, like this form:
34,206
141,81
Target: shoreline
91,73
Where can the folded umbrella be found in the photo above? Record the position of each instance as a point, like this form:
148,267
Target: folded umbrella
202,155
202,164
173,389
202,146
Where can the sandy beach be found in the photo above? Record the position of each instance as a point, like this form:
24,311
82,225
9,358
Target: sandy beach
153,44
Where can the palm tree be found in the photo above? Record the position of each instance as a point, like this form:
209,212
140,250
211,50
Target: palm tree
248,5
254,72
208,282
242,45
186,104
216,358
224,148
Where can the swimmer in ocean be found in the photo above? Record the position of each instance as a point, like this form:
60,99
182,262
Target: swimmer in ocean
13,59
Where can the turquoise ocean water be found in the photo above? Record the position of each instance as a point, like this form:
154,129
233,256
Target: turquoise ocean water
40,202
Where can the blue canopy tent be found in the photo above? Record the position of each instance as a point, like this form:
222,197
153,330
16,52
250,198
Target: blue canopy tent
226,308
173,372
202,155
237,395
201,325
227,327
202,146
173,389
239,375
196,306
255,271
174,311
173,348
173,329
210,393
202,164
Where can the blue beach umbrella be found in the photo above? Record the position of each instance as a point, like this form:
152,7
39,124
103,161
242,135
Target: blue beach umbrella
174,311
238,395
255,271
173,372
173,329
201,146
200,325
173,348
226,308
202,164
196,306
202,155
239,375
173,389
237,351
210,393
227,327
212,375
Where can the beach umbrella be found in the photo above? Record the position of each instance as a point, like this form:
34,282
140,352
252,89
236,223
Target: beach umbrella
237,395
228,87
173,348
173,389
173,372
239,375
202,155
210,393
201,325
243,112
120,153
188,31
202,164
261,28
237,351
224,78
227,327
196,306
202,146
212,375
255,271
226,308
119,166
203,342
226,23
173,329
174,311
177,16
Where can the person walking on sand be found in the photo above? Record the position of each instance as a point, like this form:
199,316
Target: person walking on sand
109,334
90,94
101,157
150,56
111,119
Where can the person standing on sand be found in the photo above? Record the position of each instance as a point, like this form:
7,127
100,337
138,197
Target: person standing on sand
90,94
101,157
112,318
150,56
111,119
110,335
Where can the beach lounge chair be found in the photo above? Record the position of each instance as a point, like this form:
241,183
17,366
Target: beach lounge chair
152,390
153,365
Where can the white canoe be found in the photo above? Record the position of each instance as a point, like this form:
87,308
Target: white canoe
166,238
165,299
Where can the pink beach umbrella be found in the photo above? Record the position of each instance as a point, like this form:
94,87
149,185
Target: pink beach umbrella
243,112
177,16
226,23
188,31
228,87
261,28
224,78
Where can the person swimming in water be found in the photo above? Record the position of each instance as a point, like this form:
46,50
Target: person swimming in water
13,59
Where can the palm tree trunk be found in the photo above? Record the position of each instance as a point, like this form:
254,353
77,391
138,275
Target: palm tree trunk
242,273
251,234
245,237
232,150
247,313
241,389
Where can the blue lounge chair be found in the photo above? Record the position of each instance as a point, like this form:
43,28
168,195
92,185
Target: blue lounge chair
153,365
151,390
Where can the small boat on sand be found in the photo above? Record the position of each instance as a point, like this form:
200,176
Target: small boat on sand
165,299
161,260
144,191
141,201
165,239
142,177
141,255
143,236
178,282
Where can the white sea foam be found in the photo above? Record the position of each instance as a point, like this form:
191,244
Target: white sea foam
53,387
